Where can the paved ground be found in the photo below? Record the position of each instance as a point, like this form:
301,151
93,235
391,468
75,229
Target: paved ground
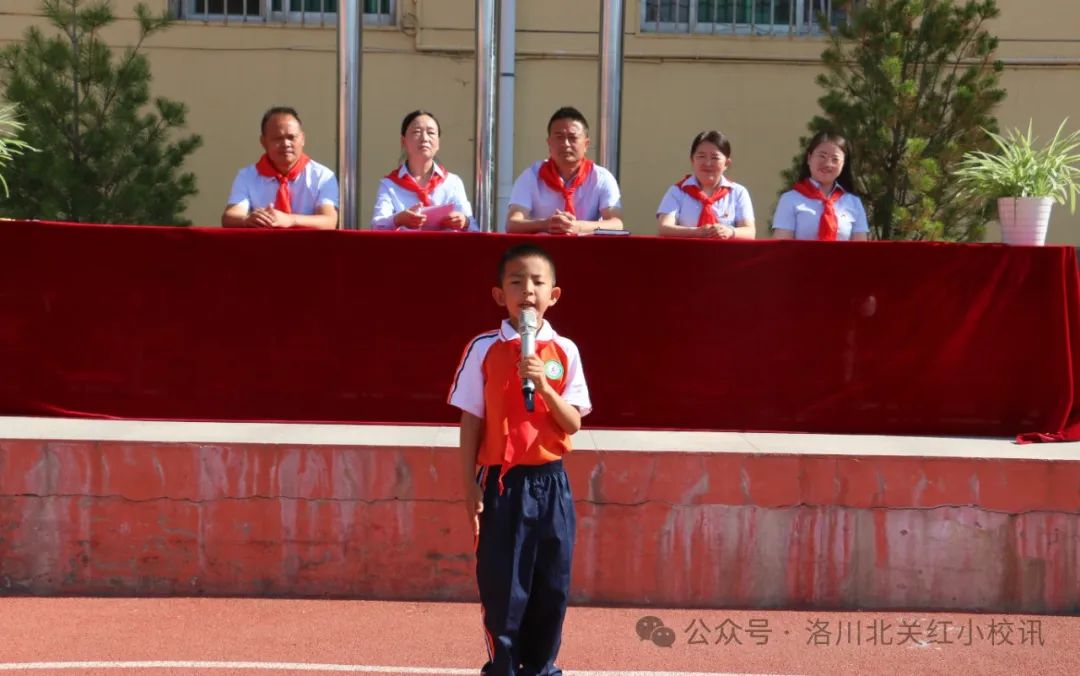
248,636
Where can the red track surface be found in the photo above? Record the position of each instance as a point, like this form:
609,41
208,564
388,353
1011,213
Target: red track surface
447,636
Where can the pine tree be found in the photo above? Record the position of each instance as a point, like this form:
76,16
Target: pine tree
912,84
107,151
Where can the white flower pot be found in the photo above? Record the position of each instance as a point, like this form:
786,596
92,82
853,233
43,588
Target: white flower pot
1024,219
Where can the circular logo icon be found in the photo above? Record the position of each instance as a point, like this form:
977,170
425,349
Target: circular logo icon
663,637
647,625
553,369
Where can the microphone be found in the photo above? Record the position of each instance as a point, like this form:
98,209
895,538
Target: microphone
527,329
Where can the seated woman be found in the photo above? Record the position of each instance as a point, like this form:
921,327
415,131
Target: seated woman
706,203
420,182
822,204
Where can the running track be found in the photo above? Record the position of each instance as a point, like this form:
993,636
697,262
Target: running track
186,636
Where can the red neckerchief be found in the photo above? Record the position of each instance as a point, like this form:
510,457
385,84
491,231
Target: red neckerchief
410,184
708,216
829,224
550,176
521,432
283,199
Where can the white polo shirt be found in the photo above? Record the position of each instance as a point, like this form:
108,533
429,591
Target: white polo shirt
599,191
467,390
732,208
316,185
801,214
392,198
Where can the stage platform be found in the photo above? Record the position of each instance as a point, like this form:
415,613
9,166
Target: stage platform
667,519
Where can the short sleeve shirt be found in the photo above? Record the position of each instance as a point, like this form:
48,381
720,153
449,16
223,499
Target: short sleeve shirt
733,208
599,191
467,391
801,214
488,386
316,185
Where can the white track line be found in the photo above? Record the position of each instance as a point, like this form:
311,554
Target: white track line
303,666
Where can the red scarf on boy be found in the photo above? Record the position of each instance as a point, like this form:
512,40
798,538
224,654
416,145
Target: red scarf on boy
829,224
283,200
410,184
708,216
549,174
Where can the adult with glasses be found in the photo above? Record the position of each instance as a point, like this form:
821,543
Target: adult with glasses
420,193
823,204
565,194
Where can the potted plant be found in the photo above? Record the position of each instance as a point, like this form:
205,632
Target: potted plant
1025,180
10,144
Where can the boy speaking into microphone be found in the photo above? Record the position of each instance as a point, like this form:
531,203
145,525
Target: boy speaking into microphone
517,495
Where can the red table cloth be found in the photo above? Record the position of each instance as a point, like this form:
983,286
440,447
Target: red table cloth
212,324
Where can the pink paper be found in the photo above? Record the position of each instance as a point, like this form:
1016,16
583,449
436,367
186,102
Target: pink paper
436,215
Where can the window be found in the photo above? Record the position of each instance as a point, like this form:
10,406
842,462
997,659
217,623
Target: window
738,17
302,12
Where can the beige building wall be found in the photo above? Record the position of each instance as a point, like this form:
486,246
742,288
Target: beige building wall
758,90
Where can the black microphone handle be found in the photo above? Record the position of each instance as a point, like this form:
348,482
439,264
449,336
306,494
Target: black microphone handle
528,393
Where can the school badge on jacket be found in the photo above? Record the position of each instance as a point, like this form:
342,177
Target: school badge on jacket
553,369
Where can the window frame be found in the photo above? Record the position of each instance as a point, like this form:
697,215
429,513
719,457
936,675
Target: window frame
805,25
185,10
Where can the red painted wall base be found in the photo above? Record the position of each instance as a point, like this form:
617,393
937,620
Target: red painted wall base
655,528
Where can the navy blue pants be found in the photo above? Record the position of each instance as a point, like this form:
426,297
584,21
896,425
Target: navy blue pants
523,560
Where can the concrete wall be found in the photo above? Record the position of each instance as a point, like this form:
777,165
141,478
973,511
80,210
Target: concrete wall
655,527
759,90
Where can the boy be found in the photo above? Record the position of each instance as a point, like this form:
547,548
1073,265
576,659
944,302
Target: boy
519,503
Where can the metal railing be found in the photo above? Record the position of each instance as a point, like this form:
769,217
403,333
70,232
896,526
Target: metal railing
321,13
739,17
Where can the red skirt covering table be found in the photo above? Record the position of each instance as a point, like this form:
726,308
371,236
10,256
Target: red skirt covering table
366,327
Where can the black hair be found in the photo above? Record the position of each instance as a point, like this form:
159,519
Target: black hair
278,110
846,179
568,113
524,251
415,114
714,137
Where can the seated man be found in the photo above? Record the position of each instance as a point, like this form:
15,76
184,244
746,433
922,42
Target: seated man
285,188
566,193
